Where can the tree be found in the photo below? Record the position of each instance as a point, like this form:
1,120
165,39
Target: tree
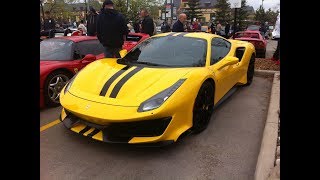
193,11
153,7
260,15
121,6
242,13
223,11
271,16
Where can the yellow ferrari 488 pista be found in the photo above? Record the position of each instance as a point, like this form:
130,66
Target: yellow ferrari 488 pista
167,85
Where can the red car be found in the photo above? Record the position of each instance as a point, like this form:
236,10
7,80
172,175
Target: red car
62,57
259,42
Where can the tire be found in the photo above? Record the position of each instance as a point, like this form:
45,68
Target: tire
203,108
53,85
250,70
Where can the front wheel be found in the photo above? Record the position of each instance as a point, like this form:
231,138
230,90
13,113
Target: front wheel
203,108
53,85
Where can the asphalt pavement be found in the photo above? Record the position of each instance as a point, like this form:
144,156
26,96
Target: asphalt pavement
227,149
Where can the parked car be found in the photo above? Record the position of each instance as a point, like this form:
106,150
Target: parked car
62,57
254,37
158,91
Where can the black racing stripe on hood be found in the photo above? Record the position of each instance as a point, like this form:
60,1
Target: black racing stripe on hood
119,85
112,79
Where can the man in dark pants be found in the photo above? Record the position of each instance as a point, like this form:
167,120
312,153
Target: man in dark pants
92,22
178,26
111,30
227,29
147,25
49,25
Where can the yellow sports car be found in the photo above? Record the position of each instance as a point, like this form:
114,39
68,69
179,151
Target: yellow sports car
167,85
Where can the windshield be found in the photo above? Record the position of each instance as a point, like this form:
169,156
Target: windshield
254,28
169,51
56,49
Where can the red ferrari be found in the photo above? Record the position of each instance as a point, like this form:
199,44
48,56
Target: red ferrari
259,42
62,57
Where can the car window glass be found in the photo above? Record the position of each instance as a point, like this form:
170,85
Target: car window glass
56,49
88,47
219,49
170,51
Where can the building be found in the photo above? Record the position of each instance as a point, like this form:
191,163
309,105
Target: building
206,7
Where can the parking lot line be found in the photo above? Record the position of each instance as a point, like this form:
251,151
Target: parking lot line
47,126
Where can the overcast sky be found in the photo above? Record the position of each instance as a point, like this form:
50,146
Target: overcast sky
266,4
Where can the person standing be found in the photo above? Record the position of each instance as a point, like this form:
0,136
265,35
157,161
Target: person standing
165,27
82,27
178,26
194,26
276,36
213,28
219,28
49,25
199,25
227,29
92,22
111,29
147,25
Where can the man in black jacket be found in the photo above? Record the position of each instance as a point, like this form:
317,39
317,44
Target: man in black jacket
178,26
111,29
49,25
147,25
92,22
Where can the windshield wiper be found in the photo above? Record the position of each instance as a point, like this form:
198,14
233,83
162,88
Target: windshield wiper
149,63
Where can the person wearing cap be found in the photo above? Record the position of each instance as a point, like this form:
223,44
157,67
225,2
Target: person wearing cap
147,25
111,29
92,22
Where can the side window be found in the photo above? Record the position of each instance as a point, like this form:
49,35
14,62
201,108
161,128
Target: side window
88,47
240,52
219,49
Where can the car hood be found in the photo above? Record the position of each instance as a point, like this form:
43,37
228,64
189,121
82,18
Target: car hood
135,85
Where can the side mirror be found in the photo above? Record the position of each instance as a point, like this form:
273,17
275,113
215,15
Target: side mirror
230,60
89,57
123,53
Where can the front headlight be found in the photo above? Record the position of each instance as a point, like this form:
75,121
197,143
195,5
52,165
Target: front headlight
158,99
69,84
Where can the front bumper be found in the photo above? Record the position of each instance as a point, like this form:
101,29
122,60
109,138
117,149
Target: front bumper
93,119
155,132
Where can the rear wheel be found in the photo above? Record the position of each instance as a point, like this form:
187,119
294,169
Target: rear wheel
203,107
53,85
250,71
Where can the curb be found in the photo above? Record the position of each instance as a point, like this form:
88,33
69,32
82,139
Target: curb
265,72
267,152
